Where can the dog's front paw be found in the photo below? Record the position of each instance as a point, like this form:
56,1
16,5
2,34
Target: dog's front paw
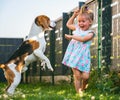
51,69
24,69
43,65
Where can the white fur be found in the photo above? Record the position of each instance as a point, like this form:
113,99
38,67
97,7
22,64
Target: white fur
16,81
37,34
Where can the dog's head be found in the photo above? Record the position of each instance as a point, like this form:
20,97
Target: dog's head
45,22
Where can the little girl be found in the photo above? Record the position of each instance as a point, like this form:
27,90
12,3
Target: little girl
77,55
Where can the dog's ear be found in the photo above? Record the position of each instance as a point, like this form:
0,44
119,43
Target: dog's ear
43,21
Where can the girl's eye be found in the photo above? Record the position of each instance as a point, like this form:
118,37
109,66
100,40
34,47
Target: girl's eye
82,21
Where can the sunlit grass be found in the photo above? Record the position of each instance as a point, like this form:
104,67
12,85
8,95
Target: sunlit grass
62,91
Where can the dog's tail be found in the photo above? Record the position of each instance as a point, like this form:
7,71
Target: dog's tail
2,66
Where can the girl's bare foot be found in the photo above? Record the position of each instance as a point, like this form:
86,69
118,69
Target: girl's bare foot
80,92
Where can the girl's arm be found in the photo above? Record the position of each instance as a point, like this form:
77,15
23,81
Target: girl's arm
80,38
70,22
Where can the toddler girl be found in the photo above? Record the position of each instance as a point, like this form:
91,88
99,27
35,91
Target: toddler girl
77,55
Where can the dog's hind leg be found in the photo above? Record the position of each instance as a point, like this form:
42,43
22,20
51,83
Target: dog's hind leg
10,90
13,79
41,56
29,59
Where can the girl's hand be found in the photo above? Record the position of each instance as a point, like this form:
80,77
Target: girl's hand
68,37
76,12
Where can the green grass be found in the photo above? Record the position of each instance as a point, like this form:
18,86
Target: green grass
47,91
105,86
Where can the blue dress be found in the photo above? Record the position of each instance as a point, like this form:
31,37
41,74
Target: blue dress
77,54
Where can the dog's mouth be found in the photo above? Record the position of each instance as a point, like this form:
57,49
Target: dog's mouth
52,24
51,27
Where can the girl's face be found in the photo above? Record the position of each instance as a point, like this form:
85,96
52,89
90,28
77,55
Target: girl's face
83,22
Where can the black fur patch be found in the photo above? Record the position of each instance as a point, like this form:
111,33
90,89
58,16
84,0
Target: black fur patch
25,47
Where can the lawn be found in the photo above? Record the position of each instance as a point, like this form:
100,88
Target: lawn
103,88
47,91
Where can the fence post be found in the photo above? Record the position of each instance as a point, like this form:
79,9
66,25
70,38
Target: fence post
106,31
52,51
81,4
99,34
64,41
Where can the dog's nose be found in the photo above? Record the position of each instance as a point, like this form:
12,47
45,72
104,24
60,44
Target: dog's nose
52,24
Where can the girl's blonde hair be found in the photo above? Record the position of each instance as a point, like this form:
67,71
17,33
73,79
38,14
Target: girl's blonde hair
87,12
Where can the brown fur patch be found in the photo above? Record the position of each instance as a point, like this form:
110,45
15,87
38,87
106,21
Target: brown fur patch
9,75
35,44
2,66
21,62
19,66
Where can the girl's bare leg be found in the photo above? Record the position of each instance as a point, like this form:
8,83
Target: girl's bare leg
85,77
77,79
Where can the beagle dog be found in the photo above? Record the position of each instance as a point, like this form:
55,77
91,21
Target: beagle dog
32,49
